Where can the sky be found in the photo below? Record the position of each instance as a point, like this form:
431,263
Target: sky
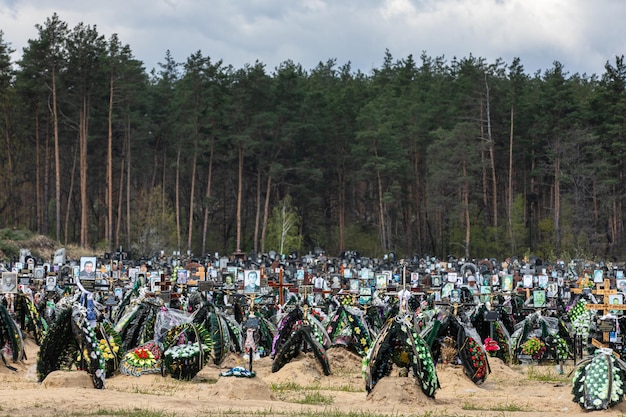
583,35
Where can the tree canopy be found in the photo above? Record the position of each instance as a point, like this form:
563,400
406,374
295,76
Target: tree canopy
428,156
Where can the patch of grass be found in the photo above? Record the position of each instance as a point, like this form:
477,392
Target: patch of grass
327,412
286,386
135,412
292,386
315,397
510,407
546,374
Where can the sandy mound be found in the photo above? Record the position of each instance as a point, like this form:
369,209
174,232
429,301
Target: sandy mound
344,360
68,379
393,390
234,388
501,370
304,369
452,378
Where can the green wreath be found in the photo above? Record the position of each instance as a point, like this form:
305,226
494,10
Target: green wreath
187,349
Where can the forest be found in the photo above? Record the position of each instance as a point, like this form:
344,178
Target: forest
446,157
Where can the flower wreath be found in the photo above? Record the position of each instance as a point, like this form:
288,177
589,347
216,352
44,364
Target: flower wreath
187,350
145,359
476,359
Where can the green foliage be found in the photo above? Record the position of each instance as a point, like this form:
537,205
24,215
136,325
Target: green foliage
283,230
15,234
9,249
154,225
546,233
316,397
8,246
394,157
362,239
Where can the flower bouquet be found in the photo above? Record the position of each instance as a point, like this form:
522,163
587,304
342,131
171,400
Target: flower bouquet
534,347
491,346
109,343
188,350
145,359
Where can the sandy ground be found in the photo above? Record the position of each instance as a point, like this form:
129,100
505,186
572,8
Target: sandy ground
508,391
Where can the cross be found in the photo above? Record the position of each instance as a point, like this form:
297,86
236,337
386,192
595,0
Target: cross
306,291
281,285
605,307
164,284
584,284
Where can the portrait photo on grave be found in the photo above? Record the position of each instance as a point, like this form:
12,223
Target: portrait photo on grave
347,273
507,283
485,293
51,283
154,279
381,282
181,276
87,267
39,272
539,298
355,286
597,275
528,281
616,299
552,289
229,282
252,282
621,285
365,295
435,281
446,290
495,280
9,283
389,275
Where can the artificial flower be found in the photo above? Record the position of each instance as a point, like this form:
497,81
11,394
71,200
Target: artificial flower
534,347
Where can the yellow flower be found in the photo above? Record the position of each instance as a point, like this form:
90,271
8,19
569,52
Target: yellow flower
357,330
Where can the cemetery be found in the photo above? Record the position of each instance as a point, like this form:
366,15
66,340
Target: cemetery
309,334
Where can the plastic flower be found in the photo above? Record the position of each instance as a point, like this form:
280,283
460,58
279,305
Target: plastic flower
108,353
141,357
491,345
534,347
186,351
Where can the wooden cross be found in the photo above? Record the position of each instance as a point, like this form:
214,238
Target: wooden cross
165,283
280,285
605,307
306,291
584,284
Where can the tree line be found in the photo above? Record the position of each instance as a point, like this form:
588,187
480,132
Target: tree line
462,157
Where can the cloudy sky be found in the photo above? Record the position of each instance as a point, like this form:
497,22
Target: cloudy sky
581,34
